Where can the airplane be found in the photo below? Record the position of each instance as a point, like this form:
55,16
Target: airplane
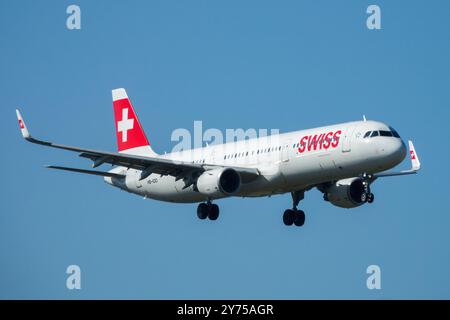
341,161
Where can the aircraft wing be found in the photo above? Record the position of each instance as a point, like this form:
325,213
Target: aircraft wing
148,165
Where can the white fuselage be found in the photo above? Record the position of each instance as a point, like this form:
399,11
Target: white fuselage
287,162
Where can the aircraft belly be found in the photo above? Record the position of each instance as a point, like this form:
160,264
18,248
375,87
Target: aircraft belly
163,188
271,181
313,168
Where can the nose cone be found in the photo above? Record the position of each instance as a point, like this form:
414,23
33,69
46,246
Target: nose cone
397,151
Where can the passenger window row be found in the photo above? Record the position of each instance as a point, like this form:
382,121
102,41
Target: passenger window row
246,154
266,150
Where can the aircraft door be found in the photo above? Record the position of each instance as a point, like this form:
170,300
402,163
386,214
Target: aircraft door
347,138
285,151
212,155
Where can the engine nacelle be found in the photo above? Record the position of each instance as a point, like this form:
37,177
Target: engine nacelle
219,182
346,193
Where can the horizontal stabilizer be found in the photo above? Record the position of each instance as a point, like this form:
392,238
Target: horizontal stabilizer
97,173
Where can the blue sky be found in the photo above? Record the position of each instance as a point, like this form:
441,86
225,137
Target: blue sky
232,64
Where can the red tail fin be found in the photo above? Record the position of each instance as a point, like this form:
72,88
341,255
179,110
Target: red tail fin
130,135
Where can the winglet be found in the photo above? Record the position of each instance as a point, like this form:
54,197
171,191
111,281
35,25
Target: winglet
414,157
23,127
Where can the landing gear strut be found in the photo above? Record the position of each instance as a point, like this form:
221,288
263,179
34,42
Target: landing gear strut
208,210
294,215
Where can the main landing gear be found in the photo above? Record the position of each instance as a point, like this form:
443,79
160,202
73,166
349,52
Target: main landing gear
294,215
208,210
367,195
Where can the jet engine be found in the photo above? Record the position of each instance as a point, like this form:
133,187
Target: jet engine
219,182
346,193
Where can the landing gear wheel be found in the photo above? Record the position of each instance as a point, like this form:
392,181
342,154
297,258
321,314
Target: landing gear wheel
363,197
288,217
370,198
202,211
299,218
213,213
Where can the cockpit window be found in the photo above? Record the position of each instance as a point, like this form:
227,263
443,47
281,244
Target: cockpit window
385,133
382,133
394,133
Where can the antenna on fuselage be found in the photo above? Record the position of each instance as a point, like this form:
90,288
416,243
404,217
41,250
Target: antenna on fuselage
364,117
